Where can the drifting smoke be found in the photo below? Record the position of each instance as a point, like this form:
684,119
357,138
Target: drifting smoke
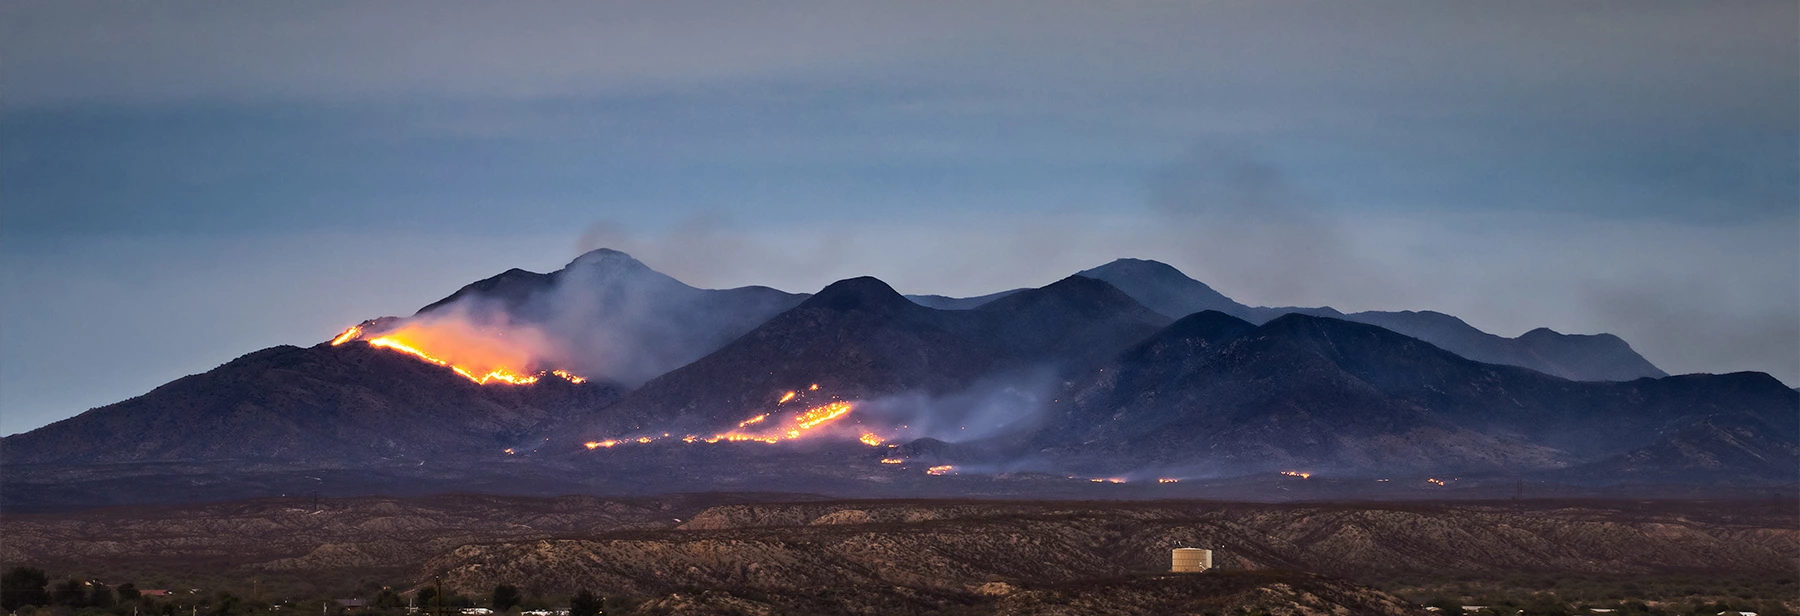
994,407
604,316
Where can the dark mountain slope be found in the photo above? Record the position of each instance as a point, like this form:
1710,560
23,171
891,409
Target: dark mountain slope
1741,447
858,340
1601,357
1074,322
1325,393
323,406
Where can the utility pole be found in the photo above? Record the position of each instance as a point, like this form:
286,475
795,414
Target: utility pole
439,580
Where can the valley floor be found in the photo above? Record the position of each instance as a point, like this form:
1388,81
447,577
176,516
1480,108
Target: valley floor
779,554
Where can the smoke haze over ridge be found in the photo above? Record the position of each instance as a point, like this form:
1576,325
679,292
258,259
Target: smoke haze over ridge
184,183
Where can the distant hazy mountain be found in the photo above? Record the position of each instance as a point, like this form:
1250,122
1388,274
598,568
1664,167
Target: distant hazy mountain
1321,394
1601,357
326,406
942,302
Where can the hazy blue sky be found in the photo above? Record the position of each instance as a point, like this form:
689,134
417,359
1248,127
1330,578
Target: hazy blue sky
181,184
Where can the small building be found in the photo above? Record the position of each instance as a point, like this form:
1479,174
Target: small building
1190,560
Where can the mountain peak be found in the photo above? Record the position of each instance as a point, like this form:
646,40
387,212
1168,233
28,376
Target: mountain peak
1135,267
865,292
605,257
1161,287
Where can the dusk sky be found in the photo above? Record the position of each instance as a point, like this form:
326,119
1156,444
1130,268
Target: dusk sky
184,183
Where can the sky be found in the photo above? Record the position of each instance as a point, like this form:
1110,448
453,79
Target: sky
184,183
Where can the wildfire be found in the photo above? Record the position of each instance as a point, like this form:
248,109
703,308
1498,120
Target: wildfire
893,460
801,424
786,397
1297,474
870,439
470,352
1167,480
940,470
598,444
1107,480
1434,480
821,414
353,333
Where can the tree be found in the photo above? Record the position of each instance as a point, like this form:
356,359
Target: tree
506,596
423,599
584,603
71,593
100,596
128,592
226,603
1447,606
22,586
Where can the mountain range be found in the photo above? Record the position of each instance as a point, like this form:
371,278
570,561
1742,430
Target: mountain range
1131,369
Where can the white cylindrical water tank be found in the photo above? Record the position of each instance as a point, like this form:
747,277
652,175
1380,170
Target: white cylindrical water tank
1190,560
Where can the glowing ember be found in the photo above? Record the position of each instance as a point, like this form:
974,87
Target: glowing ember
1297,474
353,333
787,396
1435,480
1167,480
821,414
801,424
893,461
815,387
1107,480
509,451
870,439
940,470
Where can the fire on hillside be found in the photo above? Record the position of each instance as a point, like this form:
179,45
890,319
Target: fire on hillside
481,358
759,429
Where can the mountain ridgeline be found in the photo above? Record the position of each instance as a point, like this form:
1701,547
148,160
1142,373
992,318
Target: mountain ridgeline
1130,370
1602,357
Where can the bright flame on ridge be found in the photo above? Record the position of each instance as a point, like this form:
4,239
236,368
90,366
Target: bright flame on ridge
486,359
